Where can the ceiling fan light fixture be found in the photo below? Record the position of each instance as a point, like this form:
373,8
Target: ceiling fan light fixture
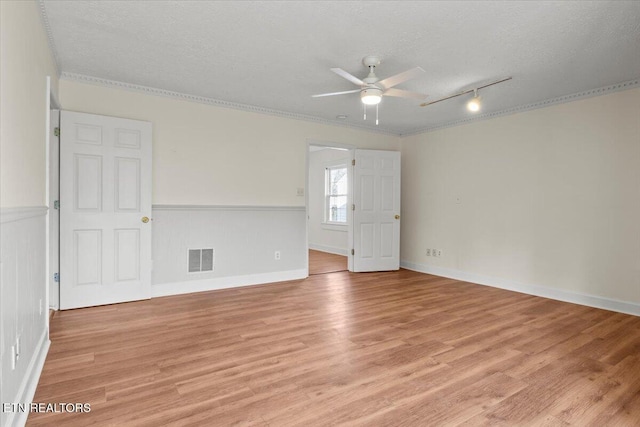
371,96
474,104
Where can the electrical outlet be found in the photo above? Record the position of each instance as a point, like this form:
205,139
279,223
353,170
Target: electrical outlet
439,252
277,256
300,192
428,252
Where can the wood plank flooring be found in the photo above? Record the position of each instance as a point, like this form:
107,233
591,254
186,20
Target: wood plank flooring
376,349
323,262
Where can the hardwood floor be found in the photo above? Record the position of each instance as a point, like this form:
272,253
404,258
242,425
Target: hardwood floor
323,262
375,349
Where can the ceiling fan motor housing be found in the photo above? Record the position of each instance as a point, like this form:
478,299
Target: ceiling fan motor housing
370,60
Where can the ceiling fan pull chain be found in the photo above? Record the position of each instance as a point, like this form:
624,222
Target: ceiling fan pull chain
377,114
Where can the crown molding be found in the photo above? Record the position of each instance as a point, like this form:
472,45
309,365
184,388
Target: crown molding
262,110
215,102
533,106
47,29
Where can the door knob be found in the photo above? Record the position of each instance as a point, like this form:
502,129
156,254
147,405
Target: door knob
145,219
397,216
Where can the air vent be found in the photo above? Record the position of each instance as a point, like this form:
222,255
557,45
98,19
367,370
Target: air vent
200,260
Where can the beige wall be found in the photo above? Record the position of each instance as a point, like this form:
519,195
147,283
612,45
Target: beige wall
549,197
26,61
208,155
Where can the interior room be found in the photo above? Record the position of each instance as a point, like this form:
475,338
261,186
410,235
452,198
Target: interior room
319,213
327,210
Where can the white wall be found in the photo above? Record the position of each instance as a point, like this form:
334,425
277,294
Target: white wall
25,61
545,201
323,237
209,155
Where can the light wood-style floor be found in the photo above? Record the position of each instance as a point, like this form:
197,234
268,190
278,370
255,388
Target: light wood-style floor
375,349
323,262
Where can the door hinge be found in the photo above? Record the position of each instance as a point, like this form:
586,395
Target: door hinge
353,207
56,131
56,204
353,162
56,277
353,252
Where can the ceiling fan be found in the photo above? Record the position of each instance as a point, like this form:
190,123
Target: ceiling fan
372,89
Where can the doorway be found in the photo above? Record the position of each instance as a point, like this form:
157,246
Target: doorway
353,205
328,201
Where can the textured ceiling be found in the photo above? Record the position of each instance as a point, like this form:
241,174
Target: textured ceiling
275,55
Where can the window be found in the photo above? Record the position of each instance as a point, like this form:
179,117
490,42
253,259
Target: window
335,210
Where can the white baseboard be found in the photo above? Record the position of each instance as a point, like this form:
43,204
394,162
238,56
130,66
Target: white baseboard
187,287
30,381
540,291
328,249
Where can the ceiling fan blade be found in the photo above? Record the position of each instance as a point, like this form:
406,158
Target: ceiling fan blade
400,78
353,79
404,94
335,93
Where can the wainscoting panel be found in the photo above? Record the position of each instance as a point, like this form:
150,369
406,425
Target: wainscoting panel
244,240
23,291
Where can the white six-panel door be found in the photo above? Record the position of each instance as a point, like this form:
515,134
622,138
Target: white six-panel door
376,214
105,207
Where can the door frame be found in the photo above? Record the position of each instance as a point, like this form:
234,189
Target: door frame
351,149
52,189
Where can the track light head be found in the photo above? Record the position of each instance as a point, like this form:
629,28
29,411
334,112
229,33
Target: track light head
474,104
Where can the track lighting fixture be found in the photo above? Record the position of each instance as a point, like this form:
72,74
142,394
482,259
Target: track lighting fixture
475,103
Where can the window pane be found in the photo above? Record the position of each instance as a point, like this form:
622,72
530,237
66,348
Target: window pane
336,194
338,181
338,208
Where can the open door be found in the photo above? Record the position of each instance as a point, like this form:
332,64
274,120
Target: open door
376,211
105,205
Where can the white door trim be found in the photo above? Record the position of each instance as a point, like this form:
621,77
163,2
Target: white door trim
52,177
